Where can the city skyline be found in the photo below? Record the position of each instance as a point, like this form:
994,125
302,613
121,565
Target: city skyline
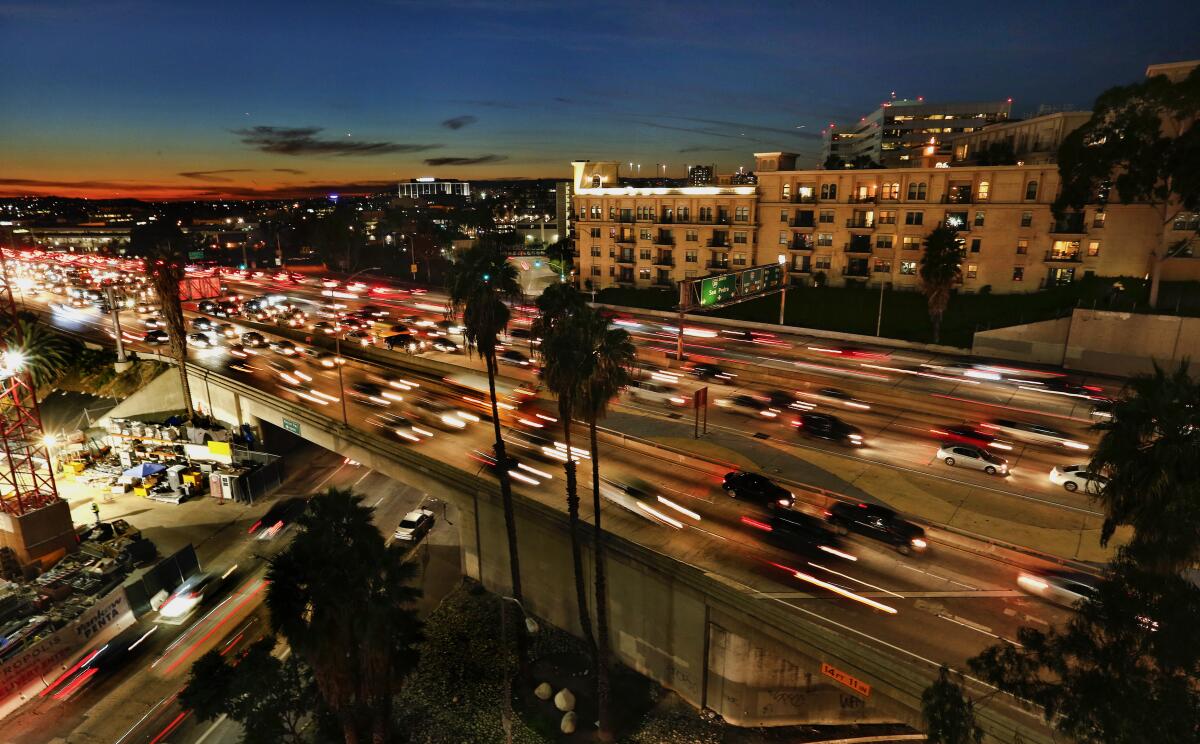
224,101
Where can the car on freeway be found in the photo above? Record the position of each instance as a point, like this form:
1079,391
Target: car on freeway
749,405
839,398
200,340
156,336
969,370
967,434
653,391
407,429
521,336
374,311
361,337
829,427
145,308
253,340
974,458
227,309
325,359
435,413
155,321
284,347
372,394
800,533
325,327
1072,389
238,350
879,523
787,399
207,306
1077,477
288,372
203,324
186,598
513,357
1102,411
450,327
757,489
444,345
516,469
226,330
706,372
282,515
1034,434
415,525
403,342
1065,588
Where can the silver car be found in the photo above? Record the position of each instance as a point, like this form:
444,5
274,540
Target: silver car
966,456
1060,587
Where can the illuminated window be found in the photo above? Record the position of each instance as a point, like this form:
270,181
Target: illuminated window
883,266
1022,247
829,191
886,217
645,235
908,268
1094,248
1098,219
612,232
984,190
741,214
1018,273
883,241
643,273
826,216
689,256
739,237
972,270
786,192
691,235
979,219
910,242
824,238
739,259
783,216
821,262
1026,219
784,237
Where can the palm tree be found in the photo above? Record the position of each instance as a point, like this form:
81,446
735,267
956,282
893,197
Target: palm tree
614,359
45,352
480,280
1149,451
566,367
341,599
941,269
163,246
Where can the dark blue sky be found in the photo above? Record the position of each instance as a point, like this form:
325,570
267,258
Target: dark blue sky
174,97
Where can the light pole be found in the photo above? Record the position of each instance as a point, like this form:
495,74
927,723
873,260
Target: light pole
531,627
337,354
879,316
116,319
783,294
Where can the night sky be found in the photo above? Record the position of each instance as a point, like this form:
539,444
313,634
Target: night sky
175,98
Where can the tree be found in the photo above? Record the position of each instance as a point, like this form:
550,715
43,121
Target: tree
997,153
1142,141
272,699
615,358
864,162
479,282
46,353
341,599
561,257
165,249
948,713
941,269
1123,670
833,162
566,366
1149,451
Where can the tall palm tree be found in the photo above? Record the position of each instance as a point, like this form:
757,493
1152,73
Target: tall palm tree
941,269
1149,451
165,250
341,598
480,280
614,359
566,366
46,353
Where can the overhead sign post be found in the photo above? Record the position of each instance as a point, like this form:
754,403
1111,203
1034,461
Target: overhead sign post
720,290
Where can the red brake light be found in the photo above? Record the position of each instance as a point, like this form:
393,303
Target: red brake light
254,527
757,524
862,505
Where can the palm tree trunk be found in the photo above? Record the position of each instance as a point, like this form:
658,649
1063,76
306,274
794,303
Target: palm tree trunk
602,685
510,520
181,365
585,621
936,318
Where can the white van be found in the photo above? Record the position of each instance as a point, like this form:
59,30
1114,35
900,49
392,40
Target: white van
659,393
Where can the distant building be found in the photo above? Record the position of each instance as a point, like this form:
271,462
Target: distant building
1031,141
700,175
431,189
537,210
740,177
905,133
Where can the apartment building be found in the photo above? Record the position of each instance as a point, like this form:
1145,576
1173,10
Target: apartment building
1030,141
656,236
901,133
868,226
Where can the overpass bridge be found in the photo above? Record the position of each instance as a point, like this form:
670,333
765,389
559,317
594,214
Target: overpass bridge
756,658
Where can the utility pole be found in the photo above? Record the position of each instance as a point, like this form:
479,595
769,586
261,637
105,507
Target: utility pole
879,317
683,293
337,354
116,319
782,303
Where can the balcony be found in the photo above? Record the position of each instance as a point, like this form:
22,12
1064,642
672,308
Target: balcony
666,219
631,238
1070,225
860,223
662,239
863,199
722,219
717,243
717,265
801,245
1064,257
856,272
663,260
958,195
803,221
858,246
626,218
662,281
626,258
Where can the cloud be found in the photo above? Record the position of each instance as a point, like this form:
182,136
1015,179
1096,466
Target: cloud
458,122
698,130
304,141
219,175
704,148
744,126
466,161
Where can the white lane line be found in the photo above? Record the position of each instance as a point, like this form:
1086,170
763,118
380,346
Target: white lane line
977,628
857,581
211,729
940,578
982,594
377,503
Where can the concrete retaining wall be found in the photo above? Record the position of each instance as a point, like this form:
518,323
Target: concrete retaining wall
1038,343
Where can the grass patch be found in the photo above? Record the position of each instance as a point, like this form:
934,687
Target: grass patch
855,309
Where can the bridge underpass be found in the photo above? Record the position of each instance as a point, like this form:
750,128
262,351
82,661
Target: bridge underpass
747,655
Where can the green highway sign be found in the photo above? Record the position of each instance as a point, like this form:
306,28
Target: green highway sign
292,426
717,289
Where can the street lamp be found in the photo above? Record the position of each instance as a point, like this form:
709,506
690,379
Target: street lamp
783,294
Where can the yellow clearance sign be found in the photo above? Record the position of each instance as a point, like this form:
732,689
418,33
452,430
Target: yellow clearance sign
862,688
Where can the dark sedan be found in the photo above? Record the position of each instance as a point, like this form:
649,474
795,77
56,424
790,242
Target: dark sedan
879,523
832,428
757,489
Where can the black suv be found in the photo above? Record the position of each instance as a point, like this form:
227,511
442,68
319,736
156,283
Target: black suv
826,426
879,523
798,532
757,489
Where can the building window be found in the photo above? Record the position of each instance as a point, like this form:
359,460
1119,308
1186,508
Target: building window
908,268
645,235
691,235
914,218
890,191
917,191
1031,190
689,256
979,219
739,236
1018,273
706,214
644,254
643,273
689,274
1098,219
829,191
1186,221
886,217
910,242
595,232
612,270
1093,247
883,241
595,251
976,244
824,238
826,216
786,191
1026,219
821,262
612,212
739,259
595,271
784,237
983,191
783,216
684,214
883,266
741,214
1022,247
972,270
612,252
